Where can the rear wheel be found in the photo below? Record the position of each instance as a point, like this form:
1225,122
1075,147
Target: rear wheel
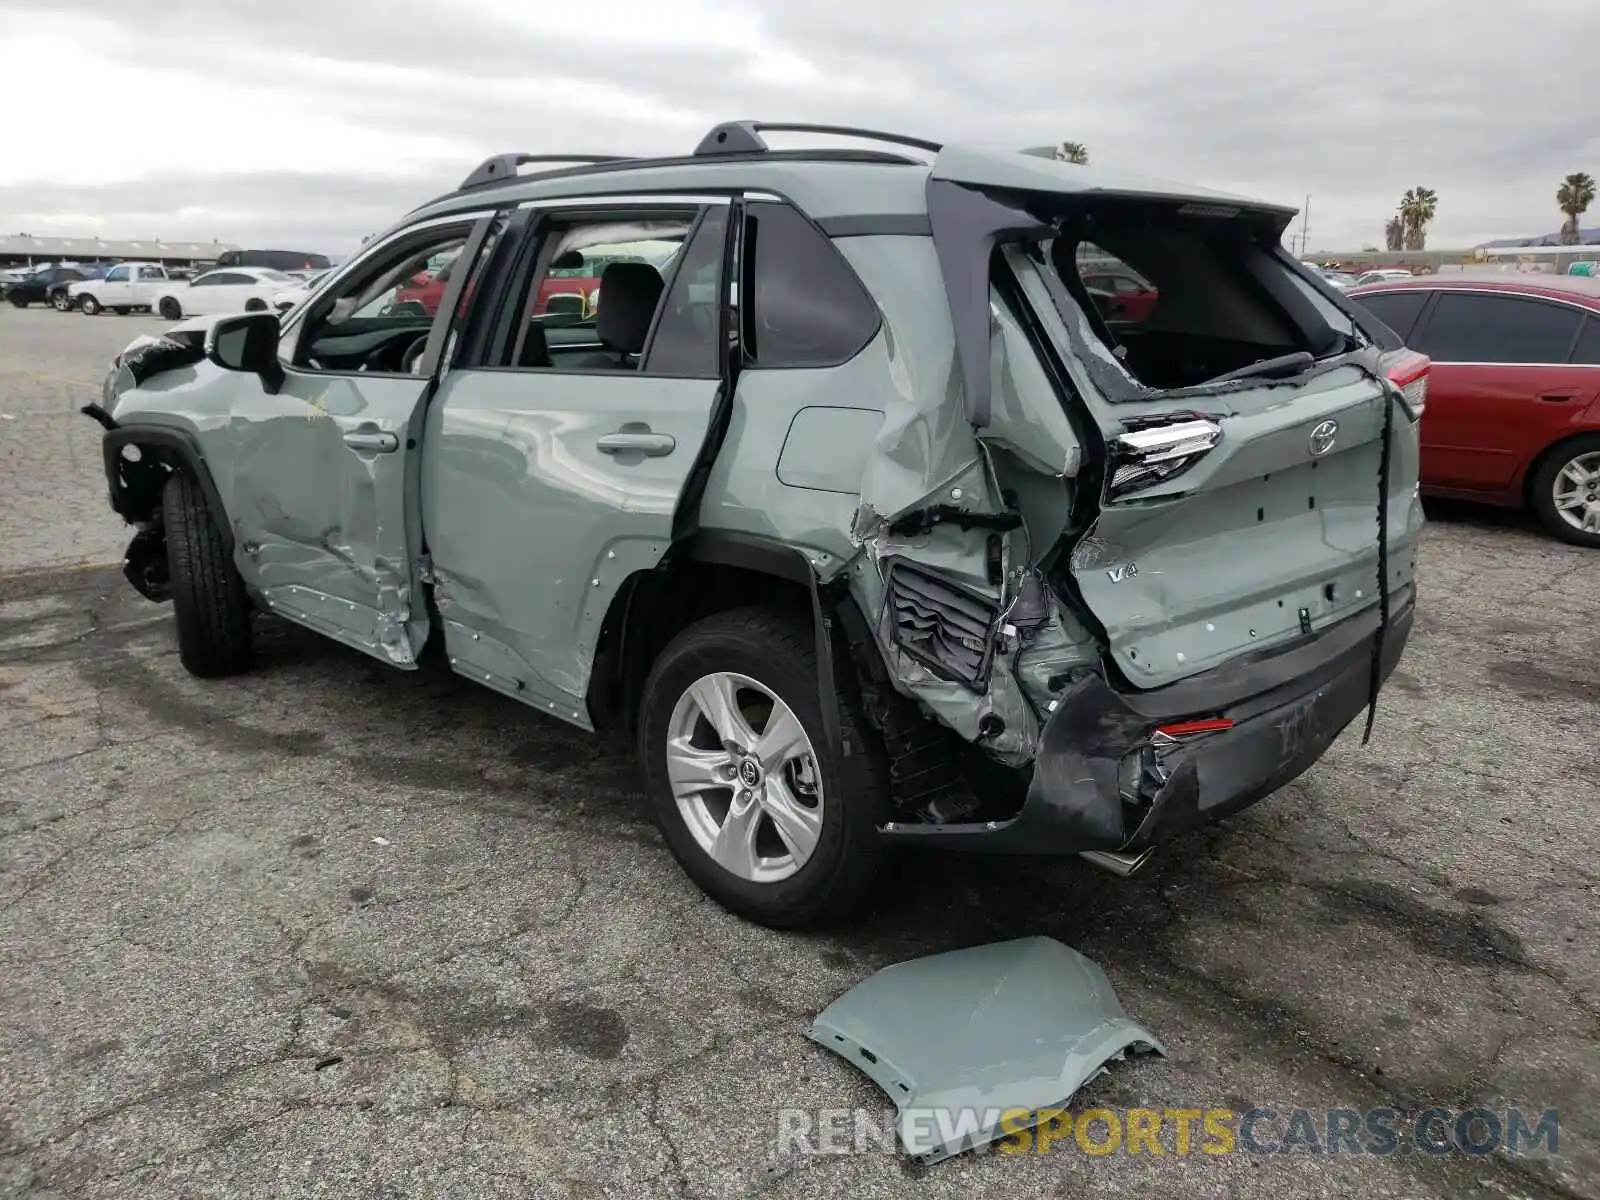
208,596
17,301
752,800
255,304
1566,491
89,306
170,309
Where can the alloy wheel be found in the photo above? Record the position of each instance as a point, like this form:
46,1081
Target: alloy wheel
1576,492
745,777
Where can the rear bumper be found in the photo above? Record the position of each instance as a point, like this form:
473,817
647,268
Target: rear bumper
1287,707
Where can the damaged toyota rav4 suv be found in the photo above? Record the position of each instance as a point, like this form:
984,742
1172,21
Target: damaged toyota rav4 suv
836,488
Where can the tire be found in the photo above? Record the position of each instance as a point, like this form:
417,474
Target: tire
1573,466
89,306
60,302
17,301
170,309
776,654
208,597
255,304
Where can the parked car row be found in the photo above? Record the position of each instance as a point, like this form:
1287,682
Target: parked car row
174,292
48,285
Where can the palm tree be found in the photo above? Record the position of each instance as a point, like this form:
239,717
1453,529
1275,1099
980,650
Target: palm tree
1073,152
1394,233
1417,208
1573,197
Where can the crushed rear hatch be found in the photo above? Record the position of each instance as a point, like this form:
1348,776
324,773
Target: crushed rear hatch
1243,435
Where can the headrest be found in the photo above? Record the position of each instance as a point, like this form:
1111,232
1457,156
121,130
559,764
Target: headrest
629,293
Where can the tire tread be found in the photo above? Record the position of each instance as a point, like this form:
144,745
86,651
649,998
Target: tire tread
208,597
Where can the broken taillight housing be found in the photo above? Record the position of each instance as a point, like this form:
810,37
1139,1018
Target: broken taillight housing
1141,457
1408,371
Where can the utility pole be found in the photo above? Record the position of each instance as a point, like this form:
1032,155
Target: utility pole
1305,228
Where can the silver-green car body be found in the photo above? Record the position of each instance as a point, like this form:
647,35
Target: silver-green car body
1157,603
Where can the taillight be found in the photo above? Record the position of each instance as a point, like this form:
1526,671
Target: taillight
1408,371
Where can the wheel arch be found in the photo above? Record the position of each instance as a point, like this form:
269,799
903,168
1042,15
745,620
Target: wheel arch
135,486
710,571
1530,473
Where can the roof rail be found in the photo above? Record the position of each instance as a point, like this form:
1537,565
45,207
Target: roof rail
504,166
744,137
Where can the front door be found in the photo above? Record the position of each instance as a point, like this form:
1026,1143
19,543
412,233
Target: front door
557,454
324,481
114,289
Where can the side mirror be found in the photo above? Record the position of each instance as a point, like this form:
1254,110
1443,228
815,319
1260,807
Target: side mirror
248,342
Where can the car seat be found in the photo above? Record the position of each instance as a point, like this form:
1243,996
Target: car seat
629,293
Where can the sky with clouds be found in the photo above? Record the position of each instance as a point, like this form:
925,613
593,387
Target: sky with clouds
310,123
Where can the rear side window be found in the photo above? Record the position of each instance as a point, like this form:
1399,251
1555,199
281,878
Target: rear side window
685,339
1588,348
1475,327
1398,310
803,305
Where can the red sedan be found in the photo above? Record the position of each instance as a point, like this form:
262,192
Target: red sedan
1513,400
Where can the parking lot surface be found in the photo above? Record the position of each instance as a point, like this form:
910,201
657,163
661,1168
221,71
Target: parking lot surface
330,929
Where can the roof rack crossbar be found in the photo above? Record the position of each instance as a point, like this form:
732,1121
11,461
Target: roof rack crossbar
503,166
744,137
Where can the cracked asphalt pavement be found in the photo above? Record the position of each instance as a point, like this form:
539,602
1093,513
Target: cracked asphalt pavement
331,929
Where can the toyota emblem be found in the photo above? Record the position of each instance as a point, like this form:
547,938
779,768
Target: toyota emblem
1322,437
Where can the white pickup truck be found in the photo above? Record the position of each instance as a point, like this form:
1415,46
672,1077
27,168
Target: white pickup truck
126,287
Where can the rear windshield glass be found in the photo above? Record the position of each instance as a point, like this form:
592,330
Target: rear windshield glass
1180,305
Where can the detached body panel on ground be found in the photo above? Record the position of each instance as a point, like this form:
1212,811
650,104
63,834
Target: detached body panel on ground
831,491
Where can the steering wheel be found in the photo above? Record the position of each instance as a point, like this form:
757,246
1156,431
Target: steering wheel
411,360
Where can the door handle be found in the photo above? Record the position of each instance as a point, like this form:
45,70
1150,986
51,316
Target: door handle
372,441
651,445
1557,397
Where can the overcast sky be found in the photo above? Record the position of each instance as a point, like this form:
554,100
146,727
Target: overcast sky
309,123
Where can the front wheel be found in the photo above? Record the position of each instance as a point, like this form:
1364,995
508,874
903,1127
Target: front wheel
60,302
208,597
89,306
255,304
170,309
1566,491
754,803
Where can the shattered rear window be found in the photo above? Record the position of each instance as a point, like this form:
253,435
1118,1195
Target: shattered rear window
1179,305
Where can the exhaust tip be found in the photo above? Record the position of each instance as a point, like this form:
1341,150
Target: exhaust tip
1118,864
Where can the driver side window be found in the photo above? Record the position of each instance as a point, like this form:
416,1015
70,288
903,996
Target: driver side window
379,319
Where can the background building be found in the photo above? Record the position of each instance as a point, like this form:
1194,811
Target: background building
22,250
